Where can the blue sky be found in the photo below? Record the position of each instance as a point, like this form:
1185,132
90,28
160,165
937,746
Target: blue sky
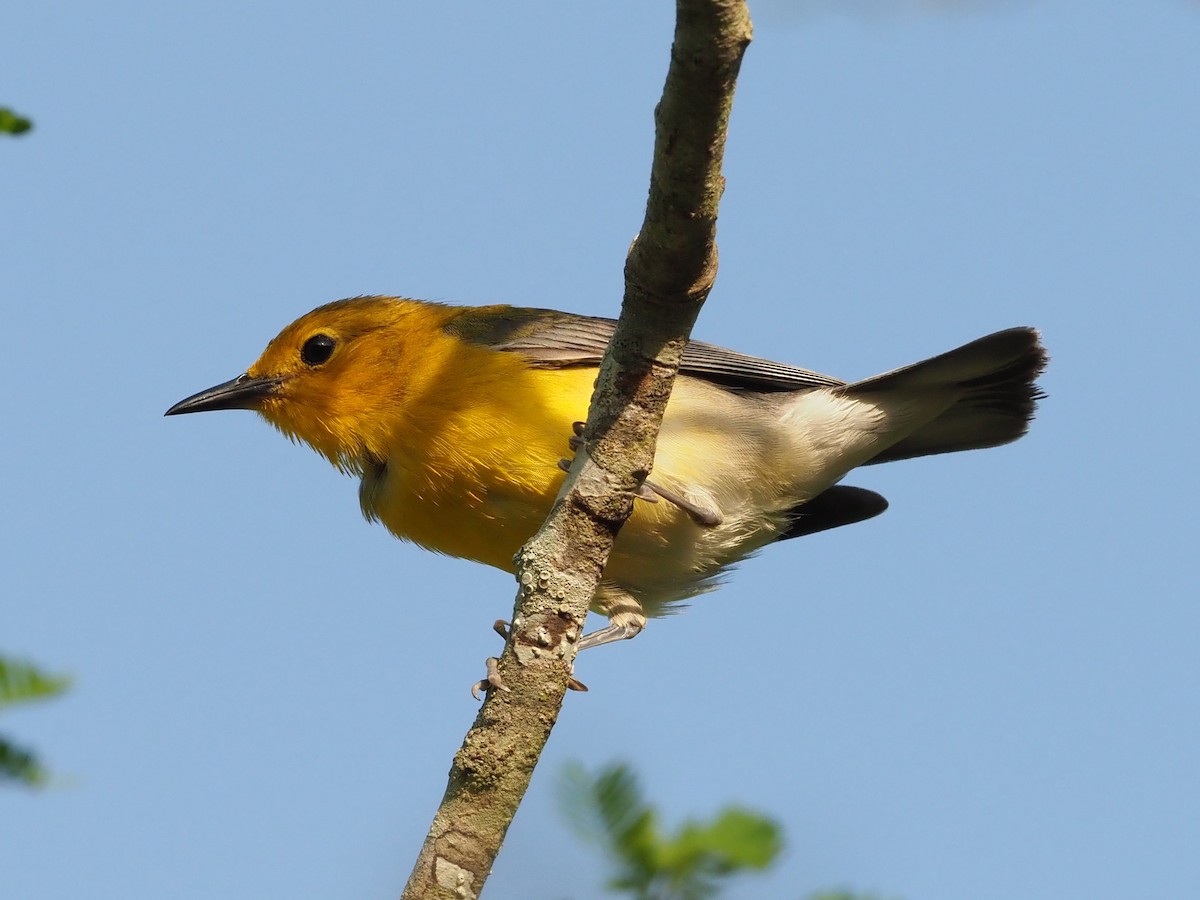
988,692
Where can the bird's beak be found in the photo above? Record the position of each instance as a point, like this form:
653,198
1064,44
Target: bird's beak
243,392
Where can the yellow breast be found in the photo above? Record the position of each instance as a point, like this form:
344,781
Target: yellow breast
481,484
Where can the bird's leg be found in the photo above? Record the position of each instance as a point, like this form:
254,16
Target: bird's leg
626,619
705,516
609,634
493,681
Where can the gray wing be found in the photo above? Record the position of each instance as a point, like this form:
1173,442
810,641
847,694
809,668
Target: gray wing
551,339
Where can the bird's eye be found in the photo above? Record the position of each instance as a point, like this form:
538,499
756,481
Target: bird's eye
317,349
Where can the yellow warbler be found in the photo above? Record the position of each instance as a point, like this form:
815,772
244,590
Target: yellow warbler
455,418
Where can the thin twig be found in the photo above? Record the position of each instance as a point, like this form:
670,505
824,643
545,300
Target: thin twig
668,274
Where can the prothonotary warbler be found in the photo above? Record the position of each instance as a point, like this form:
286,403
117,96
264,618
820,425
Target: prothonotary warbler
455,419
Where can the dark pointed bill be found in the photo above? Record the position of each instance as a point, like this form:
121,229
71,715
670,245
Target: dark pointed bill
242,392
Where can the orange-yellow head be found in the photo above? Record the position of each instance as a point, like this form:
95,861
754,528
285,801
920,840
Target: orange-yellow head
343,378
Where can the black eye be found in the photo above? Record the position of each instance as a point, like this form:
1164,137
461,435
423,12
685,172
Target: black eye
317,349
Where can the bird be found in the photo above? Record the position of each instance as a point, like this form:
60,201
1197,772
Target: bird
454,419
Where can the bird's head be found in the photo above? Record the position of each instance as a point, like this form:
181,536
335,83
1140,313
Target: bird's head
335,378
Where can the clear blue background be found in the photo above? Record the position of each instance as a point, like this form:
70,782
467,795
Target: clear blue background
989,692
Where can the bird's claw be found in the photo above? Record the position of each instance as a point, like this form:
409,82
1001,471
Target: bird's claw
645,492
491,681
575,441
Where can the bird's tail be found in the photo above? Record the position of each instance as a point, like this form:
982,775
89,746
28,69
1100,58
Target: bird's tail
994,377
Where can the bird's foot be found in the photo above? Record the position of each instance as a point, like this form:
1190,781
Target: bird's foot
607,635
492,680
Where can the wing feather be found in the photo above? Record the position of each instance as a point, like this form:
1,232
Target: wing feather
551,339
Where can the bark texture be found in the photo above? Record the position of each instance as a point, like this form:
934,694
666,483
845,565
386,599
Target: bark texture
668,274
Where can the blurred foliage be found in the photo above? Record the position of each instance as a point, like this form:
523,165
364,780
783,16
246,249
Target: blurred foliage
608,809
694,863
24,683
11,123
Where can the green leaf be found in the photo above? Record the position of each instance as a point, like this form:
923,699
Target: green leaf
606,808
20,765
609,809
740,839
11,123
23,682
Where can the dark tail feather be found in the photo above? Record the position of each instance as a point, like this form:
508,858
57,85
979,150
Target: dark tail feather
995,376
836,506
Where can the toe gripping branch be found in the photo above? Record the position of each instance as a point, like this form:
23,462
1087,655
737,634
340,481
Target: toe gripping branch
492,680
704,516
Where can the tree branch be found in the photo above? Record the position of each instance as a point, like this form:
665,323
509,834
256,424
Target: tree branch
668,274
